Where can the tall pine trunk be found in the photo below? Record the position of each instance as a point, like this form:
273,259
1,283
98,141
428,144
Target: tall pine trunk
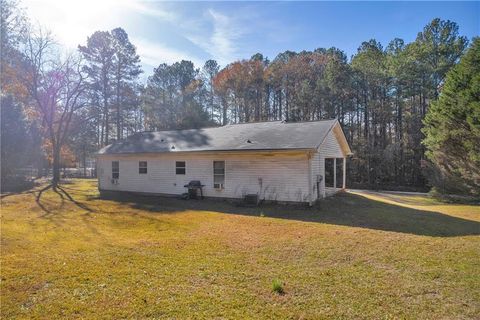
119,126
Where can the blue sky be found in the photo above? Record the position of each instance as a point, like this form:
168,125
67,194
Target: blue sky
228,31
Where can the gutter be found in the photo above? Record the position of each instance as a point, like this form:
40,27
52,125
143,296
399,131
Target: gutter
209,151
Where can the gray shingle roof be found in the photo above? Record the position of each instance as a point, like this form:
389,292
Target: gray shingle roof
274,135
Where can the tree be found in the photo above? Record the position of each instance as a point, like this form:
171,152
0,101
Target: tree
13,26
452,124
438,48
173,98
57,86
99,57
374,84
14,134
21,143
126,65
82,139
209,72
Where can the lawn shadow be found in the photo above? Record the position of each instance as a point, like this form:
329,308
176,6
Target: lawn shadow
343,209
39,196
54,213
359,211
71,199
62,194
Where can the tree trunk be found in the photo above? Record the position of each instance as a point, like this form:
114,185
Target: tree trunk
56,165
84,162
119,127
107,125
224,116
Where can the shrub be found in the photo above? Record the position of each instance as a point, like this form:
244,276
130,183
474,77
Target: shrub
277,286
16,183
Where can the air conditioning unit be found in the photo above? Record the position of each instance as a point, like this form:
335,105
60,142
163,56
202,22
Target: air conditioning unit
114,181
251,199
218,186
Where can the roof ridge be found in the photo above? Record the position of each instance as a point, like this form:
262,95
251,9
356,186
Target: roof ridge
251,122
154,131
236,124
286,122
305,121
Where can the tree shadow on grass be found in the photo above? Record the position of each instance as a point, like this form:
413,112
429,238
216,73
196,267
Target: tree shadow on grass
39,196
62,194
343,209
72,200
53,210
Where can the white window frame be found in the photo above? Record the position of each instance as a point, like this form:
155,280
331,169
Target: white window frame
117,171
220,185
142,167
184,168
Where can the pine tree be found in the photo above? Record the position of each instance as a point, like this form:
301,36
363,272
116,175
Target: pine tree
99,55
452,125
126,66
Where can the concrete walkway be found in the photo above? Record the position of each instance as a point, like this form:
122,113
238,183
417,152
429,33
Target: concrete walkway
381,192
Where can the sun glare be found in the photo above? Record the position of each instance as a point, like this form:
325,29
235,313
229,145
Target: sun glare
72,21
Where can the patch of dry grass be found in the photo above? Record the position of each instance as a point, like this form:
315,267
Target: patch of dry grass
69,253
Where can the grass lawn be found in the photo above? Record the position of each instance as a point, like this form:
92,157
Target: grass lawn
66,253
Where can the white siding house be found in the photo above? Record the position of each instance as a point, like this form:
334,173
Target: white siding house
275,160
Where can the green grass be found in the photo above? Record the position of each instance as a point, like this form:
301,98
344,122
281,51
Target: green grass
66,253
277,286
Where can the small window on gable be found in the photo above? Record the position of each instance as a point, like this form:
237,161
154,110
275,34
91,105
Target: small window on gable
142,167
180,167
115,169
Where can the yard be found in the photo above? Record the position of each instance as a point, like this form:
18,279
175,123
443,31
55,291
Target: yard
66,252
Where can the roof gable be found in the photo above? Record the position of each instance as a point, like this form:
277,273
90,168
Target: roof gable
341,139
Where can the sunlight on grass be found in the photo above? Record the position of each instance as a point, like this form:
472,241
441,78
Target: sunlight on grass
72,254
426,203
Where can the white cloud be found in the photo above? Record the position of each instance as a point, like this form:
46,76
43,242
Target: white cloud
225,37
142,7
72,21
218,34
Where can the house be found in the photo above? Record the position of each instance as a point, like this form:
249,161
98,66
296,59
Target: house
277,160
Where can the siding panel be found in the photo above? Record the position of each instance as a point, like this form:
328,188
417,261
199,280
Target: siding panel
330,148
282,177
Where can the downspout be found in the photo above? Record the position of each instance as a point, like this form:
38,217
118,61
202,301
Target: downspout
99,183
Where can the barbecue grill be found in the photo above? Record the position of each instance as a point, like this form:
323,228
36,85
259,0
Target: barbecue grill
193,187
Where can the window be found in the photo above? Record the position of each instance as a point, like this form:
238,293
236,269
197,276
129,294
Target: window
115,169
329,172
142,167
180,167
218,174
334,172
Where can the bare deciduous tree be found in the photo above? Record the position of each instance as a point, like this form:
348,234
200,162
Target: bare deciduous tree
57,85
